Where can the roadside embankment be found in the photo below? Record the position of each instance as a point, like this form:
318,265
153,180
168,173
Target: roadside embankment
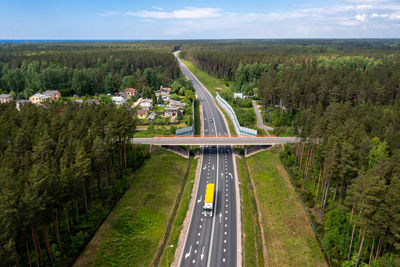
289,238
133,232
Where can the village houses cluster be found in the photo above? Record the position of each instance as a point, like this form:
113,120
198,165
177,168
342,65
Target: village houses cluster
143,106
36,99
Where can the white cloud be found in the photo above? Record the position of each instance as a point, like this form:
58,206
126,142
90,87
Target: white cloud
186,13
350,18
362,17
391,16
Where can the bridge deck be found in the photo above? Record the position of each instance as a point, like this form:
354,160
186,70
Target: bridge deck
214,140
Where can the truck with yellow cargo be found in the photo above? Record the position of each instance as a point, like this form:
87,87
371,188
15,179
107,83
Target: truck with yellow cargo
209,200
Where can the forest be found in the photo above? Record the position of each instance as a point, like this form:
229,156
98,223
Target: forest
62,168
85,69
342,97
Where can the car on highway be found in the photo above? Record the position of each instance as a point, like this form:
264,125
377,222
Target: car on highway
211,120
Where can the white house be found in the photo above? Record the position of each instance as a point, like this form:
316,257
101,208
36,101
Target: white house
38,98
118,100
21,102
238,95
146,104
6,98
175,104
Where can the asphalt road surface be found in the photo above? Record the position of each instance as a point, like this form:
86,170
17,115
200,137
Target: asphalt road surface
212,241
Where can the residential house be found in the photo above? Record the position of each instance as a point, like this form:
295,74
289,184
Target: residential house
129,92
141,114
118,100
123,95
20,103
164,93
238,95
171,112
79,101
152,116
175,104
93,101
146,104
165,89
38,98
165,96
6,98
52,94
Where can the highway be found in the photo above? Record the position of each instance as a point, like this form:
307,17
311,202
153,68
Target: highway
212,241
215,140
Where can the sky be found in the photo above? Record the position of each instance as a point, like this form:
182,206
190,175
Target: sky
205,19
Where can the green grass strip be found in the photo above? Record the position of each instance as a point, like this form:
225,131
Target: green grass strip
252,244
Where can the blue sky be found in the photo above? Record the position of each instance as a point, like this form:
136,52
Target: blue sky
217,19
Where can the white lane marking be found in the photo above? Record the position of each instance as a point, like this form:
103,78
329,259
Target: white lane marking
223,259
188,254
226,200
194,261
198,201
226,194
225,241
224,249
202,254
213,167
226,225
205,166
195,251
231,175
227,190
198,234
200,226
225,233
226,218
226,211
201,219
220,217
226,206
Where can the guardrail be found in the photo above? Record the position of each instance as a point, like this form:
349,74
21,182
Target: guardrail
229,110
185,131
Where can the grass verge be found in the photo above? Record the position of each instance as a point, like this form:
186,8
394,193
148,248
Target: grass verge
179,218
131,234
197,124
251,234
289,237
208,80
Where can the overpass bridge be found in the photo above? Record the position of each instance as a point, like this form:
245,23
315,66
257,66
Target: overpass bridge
214,140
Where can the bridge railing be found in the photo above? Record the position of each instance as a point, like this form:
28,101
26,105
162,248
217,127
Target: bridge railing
229,110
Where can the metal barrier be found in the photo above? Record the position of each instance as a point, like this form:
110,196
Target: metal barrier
185,131
228,109
188,130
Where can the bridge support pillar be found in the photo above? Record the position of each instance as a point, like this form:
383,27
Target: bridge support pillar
245,151
150,148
